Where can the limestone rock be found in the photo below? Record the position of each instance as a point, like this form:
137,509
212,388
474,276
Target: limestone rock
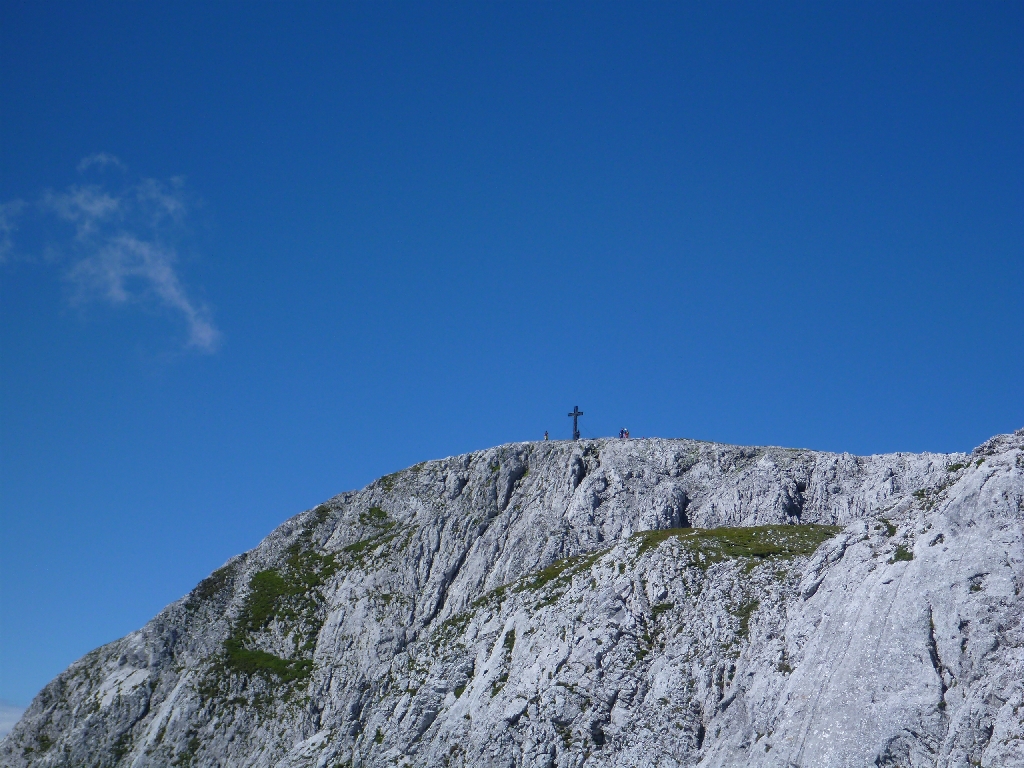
605,602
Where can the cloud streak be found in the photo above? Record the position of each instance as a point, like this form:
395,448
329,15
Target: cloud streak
87,207
9,212
121,249
100,160
126,269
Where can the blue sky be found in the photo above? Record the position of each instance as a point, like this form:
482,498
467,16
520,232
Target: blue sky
257,254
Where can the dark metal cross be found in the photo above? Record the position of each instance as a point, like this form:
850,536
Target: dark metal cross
576,413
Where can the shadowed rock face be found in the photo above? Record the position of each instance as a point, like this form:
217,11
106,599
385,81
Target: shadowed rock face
607,602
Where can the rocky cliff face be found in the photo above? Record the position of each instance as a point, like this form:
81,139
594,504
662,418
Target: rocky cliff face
601,603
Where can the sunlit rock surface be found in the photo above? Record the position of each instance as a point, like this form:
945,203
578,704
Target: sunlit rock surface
601,603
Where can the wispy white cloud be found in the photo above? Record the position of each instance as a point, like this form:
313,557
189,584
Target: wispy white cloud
126,269
123,247
165,199
9,212
100,160
87,207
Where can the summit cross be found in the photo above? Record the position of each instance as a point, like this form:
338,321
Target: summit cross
576,413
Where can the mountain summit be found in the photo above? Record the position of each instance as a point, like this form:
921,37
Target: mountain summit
599,603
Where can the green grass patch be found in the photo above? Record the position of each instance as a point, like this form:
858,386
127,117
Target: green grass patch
266,590
184,759
360,546
249,662
320,514
560,571
558,574
902,553
661,608
212,584
308,570
374,516
495,594
743,613
387,482
290,594
551,573
890,529
452,627
760,541
285,592
360,549
955,467
549,600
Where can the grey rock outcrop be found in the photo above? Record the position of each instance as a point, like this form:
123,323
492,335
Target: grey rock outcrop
601,603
